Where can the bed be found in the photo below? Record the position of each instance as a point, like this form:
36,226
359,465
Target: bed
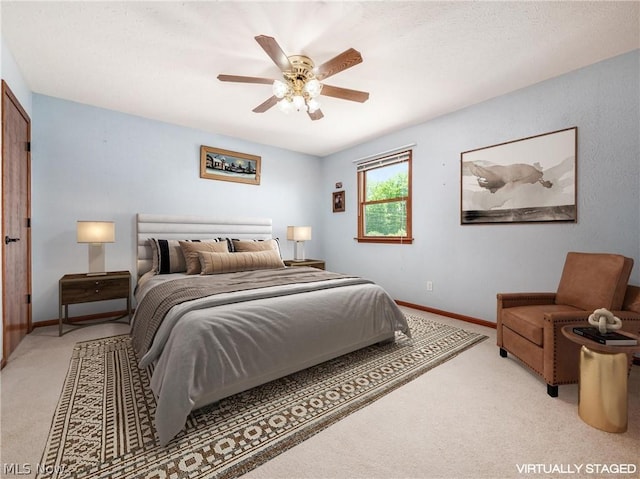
209,336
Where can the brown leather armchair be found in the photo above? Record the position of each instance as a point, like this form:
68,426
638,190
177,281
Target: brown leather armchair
529,324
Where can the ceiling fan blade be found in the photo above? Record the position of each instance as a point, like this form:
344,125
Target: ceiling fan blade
264,106
316,115
274,51
344,93
241,79
339,63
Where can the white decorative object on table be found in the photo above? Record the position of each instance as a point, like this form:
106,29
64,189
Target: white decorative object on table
604,320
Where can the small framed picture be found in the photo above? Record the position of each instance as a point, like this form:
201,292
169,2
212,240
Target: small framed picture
338,201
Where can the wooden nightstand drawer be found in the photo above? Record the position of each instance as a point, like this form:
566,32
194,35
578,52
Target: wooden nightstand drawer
83,288
94,290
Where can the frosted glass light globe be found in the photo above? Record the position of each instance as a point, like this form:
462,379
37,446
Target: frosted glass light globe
285,106
314,105
298,102
313,88
280,89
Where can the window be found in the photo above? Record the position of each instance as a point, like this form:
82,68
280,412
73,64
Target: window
384,199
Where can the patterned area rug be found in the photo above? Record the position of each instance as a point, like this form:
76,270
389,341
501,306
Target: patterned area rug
103,424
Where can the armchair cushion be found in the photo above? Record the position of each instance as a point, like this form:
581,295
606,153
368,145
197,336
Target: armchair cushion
594,280
528,321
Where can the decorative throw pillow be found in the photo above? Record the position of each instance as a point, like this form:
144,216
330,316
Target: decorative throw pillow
216,263
242,246
168,257
190,251
154,255
229,242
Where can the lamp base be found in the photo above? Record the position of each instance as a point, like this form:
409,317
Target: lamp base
298,251
96,259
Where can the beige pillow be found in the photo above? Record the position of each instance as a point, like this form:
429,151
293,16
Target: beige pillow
190,251
242,246
216,263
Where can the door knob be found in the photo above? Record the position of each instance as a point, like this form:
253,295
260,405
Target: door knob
8,240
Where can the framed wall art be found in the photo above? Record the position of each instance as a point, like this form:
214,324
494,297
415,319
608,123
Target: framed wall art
338,201
528,180
226,165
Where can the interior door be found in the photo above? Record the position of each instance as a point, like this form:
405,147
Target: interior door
16,223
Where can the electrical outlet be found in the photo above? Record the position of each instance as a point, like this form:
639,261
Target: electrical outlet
429,285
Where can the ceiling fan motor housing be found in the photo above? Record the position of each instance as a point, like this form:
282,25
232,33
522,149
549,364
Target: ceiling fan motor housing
302,68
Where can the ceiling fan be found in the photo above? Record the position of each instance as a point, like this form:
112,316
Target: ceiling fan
301,85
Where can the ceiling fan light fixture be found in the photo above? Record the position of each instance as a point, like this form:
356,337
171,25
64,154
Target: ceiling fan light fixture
280,89
313,88
300,86
285,106
314,105
298,102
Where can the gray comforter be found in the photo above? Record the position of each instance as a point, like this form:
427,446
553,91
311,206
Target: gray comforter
210,348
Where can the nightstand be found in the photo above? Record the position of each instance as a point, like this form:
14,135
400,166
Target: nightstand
314,263
83,288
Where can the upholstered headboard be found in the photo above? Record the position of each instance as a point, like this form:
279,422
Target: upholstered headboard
193,227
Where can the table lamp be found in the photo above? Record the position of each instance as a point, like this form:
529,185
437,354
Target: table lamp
96,234
299,234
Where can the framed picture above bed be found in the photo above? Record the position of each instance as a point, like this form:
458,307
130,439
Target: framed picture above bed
227,165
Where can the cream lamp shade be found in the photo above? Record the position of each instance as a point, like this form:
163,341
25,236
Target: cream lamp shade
96,233
299,234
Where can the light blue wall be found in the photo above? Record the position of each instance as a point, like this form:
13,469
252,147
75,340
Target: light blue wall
90,163
470,264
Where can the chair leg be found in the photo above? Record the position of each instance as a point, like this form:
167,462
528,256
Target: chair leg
503,353
552,391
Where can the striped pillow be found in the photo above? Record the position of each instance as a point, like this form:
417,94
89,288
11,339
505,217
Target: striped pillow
216,263
190,251
168,257
242,246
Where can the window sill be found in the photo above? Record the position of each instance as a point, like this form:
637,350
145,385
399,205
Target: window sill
392,240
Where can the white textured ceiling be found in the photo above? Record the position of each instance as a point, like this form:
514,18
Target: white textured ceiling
421,59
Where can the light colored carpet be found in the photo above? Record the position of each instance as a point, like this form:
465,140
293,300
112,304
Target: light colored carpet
103,423
475,416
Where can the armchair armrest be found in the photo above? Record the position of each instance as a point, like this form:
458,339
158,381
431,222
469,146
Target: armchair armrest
512,300
630,320
561,356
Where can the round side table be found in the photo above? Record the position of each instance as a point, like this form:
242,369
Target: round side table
602,400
